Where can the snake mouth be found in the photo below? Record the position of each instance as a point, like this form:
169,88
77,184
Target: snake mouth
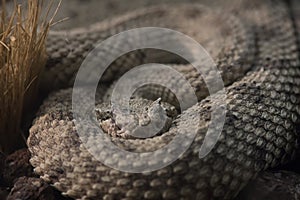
110,127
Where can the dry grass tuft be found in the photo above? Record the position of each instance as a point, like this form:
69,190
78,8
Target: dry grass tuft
22,58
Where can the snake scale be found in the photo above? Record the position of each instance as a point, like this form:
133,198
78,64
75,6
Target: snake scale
257,54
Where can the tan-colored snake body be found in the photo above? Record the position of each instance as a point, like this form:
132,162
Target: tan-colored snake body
257,55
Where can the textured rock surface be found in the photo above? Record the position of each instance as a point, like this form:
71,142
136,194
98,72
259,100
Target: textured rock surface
273,186
29,188
17,165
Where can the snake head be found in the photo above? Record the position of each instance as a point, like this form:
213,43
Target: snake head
143,117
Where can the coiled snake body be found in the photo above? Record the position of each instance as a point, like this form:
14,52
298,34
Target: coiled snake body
257,55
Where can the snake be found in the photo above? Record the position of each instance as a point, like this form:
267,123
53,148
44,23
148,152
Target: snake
255,46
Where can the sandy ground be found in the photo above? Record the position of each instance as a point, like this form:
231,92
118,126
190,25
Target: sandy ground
81,13
85,12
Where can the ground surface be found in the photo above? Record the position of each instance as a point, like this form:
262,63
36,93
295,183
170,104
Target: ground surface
86,12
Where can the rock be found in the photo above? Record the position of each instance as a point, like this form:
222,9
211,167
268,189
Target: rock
4,191
272,186
30,188
17,165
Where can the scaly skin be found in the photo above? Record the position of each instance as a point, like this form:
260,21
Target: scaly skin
259,62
